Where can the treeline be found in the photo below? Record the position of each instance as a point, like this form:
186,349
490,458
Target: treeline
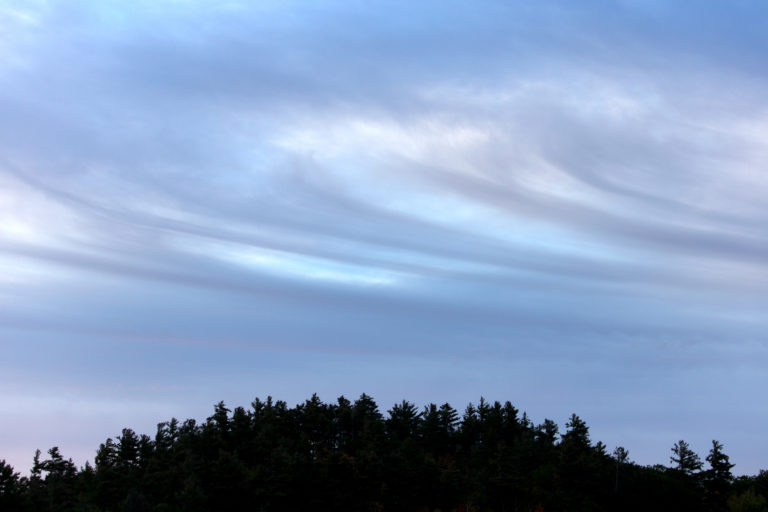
348,456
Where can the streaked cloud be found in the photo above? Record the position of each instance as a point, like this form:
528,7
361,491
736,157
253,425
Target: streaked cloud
562,207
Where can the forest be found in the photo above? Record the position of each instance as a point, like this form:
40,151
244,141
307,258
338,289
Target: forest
349,456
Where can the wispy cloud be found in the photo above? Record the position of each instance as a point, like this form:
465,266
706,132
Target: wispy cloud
465,198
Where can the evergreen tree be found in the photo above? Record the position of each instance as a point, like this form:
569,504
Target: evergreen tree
685,460
346,456
10,487
546,433
404,420
620,455
577,433
59,477
717,479
127,453
449,418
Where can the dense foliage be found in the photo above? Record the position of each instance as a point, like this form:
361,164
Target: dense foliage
347,456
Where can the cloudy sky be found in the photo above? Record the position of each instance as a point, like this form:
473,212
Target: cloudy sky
559,205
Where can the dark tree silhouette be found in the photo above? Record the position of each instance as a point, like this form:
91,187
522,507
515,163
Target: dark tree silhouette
685,460
348,456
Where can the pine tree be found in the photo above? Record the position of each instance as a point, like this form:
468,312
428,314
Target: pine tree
404,419
685,459
577,434
717,479
620,455
10,487
59,480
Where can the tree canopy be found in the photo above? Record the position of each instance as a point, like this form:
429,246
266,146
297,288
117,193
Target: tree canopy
349,456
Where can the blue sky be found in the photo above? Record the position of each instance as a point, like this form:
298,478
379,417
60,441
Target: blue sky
559,205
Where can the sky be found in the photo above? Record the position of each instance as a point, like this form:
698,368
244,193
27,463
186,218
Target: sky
554,203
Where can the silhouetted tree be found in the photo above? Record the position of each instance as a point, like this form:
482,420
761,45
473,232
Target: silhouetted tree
717,479
620,455
685,460
346,456
10,487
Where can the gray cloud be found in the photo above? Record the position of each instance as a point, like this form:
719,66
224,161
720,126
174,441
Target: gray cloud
201,202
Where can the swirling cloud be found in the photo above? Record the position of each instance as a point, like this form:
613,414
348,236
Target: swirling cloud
559,206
